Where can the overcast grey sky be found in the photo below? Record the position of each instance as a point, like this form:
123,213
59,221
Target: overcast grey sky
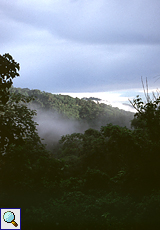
82,45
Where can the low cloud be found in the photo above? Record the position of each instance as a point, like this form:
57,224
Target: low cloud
52,126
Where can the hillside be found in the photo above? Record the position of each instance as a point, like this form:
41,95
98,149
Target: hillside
58,115
95,114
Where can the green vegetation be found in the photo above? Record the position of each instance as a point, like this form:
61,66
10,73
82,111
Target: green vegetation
85,111
106,178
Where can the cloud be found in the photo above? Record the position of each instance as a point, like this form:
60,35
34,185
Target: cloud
80,46
91,21
64,68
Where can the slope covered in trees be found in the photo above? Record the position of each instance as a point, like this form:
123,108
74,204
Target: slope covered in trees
95,114
58,115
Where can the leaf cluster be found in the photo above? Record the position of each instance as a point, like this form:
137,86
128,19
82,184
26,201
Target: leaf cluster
8,71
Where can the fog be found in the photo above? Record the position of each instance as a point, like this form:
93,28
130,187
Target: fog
52,125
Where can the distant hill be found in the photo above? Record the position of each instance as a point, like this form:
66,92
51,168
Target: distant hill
84,109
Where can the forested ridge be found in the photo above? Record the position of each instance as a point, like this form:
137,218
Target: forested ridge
85,109
101,178
59,115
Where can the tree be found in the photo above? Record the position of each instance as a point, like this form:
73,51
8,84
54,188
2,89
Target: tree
8,70
16,124
22,155
147,117
147,131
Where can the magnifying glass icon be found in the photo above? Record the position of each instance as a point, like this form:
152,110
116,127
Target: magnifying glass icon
9,217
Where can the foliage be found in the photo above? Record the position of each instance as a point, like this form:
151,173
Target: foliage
125,155
71,144
148,211
95,179
23,158
148,117
95,114
16,122
8,70
77,210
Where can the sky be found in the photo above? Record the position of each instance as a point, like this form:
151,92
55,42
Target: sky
83,47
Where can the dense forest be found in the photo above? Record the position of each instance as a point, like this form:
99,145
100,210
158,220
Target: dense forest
84,110
58,115
105,176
